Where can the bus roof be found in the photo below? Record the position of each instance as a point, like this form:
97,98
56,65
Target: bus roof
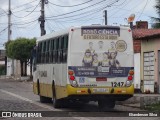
53,34
66,31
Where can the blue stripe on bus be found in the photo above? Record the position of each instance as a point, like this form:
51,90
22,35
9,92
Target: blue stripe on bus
94,72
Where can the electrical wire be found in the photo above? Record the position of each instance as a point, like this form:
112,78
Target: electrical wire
91,18
119,9
142,10
23,9
70,5
23,4
91,12
25,22
78,9
4,11
3,30
29,13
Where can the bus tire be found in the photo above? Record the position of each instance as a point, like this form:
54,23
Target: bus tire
56,103
42,98
38,87
106,105
45,99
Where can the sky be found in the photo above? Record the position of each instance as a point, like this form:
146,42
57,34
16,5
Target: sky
61,14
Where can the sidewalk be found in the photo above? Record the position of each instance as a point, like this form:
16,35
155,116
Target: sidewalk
141,100
137,101
5,77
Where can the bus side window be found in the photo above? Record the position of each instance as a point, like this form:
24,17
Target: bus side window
43,51
56,49
65,49
50,51
39,52
47,51
60,50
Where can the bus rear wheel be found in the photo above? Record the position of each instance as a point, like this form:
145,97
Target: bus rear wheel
106,105
56,103
45,99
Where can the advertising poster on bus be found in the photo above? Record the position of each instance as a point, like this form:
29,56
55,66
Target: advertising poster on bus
104,52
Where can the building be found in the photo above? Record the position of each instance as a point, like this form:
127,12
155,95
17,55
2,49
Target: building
150,58
2,62
2,55
137,54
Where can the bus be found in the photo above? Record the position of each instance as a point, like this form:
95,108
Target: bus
87,63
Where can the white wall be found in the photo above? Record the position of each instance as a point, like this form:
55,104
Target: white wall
9,67
28,69
2,62
137,70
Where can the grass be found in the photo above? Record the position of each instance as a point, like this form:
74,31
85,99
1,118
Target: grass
153,107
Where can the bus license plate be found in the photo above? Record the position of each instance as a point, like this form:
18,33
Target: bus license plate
101,79
100,90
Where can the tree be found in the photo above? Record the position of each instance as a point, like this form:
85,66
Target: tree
154,19
20,49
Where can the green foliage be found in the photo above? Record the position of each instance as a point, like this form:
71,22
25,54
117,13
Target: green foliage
153,107
154,19
20,48
2,70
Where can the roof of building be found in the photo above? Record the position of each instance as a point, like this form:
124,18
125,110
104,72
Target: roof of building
145,33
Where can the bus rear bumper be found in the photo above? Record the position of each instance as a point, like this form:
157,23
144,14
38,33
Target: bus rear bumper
96,93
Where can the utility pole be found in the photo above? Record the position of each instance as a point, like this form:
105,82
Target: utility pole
42,18
10,32
105,16
9,20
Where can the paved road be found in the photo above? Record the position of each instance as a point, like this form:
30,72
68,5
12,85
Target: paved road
18,96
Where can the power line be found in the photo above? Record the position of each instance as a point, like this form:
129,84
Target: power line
4,11
25,22
70,5
29,13
23,4
120,8
143,9
3,30
23,9
93,11
78,9
123,9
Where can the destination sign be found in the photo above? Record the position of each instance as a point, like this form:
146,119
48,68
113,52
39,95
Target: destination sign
100,33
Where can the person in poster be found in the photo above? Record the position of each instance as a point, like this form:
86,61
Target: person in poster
87,59
91,48
105,61
101,50
113,61
95,60
112,56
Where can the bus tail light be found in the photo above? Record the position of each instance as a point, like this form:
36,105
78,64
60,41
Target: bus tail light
130,78
72,78
131,72
70,72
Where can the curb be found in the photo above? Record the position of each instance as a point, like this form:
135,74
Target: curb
131,105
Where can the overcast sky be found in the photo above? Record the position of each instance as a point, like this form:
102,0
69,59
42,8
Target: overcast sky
61,14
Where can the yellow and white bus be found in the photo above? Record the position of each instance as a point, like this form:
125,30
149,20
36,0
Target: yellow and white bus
87,63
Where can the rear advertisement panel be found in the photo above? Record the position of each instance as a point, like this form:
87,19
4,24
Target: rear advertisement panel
101,52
